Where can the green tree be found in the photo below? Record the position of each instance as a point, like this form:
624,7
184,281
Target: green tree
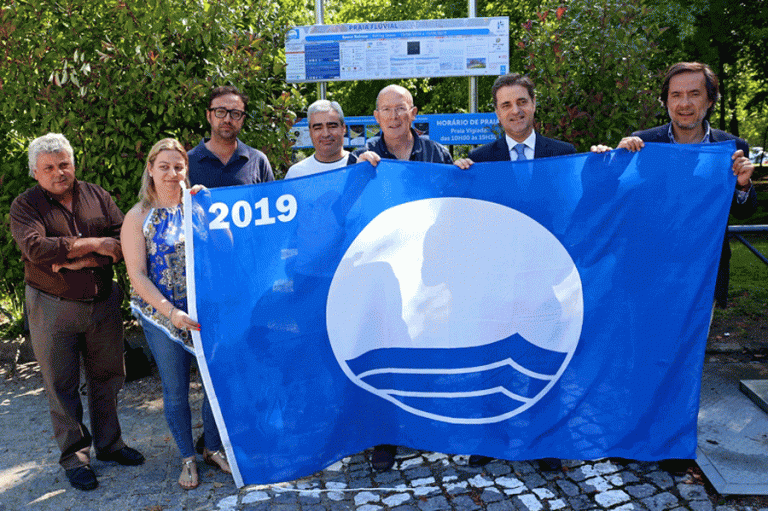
114,77
594,65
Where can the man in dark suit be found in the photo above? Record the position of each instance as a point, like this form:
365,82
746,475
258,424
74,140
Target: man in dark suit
689,92
514,99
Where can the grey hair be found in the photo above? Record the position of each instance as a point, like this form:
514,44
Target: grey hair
323,105
50,143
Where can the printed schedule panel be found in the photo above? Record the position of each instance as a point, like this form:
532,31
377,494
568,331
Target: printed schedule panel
448,129
398,49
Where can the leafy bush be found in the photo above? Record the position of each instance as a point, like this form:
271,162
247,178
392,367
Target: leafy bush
114,77
595,69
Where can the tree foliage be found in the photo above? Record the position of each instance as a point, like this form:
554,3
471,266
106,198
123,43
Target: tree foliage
114,77
593,66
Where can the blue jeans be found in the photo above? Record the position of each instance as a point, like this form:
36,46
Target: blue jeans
173,363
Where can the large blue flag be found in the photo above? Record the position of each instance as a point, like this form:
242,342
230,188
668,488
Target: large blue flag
556,307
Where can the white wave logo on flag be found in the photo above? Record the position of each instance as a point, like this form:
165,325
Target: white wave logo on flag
455,309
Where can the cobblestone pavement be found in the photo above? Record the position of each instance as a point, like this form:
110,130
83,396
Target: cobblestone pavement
30,477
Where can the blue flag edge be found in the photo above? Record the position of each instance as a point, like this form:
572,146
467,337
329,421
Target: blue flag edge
202,365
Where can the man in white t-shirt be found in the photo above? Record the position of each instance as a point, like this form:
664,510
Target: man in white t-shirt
327,130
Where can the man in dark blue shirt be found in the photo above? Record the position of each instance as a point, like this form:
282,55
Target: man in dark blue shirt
223,160
399,141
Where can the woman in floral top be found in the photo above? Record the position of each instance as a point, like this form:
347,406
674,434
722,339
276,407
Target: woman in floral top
153,246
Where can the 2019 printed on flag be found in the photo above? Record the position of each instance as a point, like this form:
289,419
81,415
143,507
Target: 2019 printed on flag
461,312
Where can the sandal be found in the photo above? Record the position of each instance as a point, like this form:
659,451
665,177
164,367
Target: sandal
188,478
217,459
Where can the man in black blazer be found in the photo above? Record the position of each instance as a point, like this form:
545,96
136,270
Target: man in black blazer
689,92
514,100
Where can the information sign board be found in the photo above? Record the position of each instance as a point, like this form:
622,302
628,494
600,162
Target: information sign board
398,49
448,129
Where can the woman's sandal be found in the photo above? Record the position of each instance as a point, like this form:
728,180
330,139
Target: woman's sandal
217,459
188,478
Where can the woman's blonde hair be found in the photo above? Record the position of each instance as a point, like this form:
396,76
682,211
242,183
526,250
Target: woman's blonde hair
148,194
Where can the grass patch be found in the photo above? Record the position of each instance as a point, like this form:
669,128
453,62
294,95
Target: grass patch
746,318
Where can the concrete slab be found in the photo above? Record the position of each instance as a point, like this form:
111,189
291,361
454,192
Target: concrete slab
733,431
757,391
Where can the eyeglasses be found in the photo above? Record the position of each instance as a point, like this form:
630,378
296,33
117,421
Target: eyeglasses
397,111
221,112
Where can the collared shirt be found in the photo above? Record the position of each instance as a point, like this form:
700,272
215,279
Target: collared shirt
530,144
741,195
246,166
45,231
424,149
705,140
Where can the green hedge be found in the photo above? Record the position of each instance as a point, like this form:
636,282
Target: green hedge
115,77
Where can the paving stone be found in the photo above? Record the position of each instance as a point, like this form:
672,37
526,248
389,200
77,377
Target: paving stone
530,502
557,504
606,467
509,482
568,488
544,493
622,478
369,507
630,506
582,473
360,483
405,508
465,503
595,484
641,491
503,505
285,498
410,463
365,497
533,480
661,479
580,503
434,504
692,492
491,495
256,506
397,499
611,498
423,482
522,467
498,469
701,505
308,500
426,490
660,502
480,482
388,477
417,473
336,495
457,488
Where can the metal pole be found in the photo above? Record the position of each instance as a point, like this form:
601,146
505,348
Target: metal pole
472,79
319,16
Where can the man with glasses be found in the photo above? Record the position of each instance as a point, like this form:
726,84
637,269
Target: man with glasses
399,141
224,160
